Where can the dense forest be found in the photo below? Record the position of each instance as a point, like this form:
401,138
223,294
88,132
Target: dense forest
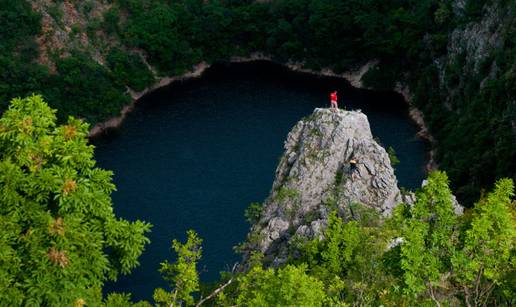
84,56
61,240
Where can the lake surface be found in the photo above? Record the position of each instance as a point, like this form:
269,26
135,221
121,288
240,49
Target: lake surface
195,154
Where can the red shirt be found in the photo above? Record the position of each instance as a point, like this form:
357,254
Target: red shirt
333,96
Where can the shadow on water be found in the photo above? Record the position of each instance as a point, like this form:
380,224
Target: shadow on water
193,155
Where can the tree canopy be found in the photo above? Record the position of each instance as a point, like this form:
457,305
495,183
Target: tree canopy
60,240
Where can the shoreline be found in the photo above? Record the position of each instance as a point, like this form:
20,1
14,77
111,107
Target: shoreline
353,77
419,119
116,122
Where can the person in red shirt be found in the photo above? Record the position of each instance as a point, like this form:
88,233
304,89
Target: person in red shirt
333,100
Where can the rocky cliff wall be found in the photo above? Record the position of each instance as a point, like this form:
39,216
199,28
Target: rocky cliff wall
473,45
331,163
316,175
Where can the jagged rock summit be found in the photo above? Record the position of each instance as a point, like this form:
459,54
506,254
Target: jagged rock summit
317,174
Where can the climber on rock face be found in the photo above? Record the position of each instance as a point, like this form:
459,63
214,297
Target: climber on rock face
353,167
333,100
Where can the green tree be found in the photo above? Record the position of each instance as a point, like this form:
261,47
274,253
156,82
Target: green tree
287,286
487,258
392,156
123,300
83,87
342,239
60,239
349,260
428,238
129,69
157,27
253,213
18,23
182,274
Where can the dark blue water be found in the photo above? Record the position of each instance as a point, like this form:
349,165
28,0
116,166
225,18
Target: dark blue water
195,154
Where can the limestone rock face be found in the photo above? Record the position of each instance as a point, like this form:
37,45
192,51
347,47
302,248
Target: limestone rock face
315,176
477,40
474,45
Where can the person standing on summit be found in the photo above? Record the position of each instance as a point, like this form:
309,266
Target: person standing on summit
333,100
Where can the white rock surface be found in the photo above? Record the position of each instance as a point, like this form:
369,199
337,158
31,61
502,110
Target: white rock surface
314,177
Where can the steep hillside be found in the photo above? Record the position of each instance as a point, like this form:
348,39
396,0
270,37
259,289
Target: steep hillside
72,25
468,96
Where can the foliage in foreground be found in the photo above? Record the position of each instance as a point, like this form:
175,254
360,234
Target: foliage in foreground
60,240
182,274
424,255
